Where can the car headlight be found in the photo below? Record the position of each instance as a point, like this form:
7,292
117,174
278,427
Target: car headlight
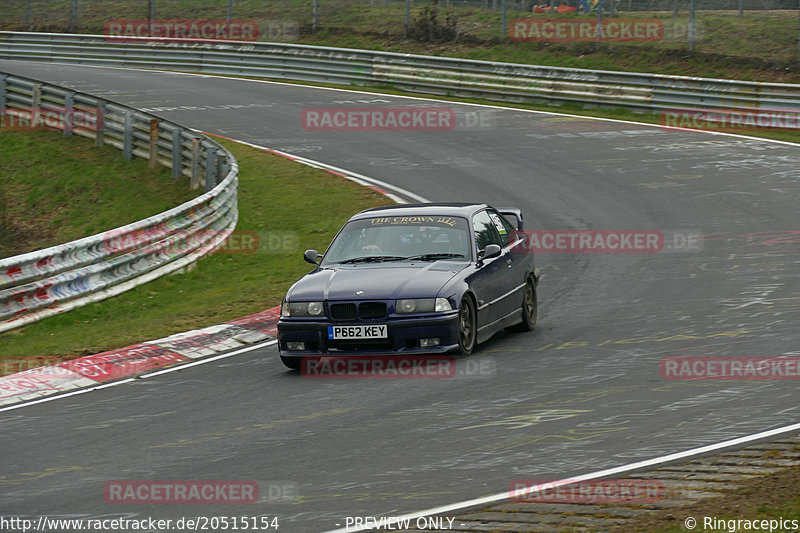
422,305
301,309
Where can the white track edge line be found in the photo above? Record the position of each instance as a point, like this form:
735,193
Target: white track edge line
502,495
348,174
584,477
142,376
432,99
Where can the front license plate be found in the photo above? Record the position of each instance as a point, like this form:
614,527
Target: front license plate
357,332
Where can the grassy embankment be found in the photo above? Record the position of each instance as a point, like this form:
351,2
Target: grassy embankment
762,45
80,190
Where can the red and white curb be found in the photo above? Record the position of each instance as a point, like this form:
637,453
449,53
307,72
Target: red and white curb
133,360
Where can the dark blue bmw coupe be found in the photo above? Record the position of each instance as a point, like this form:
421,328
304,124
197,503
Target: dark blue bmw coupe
412,279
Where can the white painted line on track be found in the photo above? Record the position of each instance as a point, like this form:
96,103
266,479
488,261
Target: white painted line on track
347,174
209,360
358,178
432,99
503,495
142,376
584,477
472,104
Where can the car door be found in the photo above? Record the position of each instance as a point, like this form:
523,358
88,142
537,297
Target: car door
486,281
512,278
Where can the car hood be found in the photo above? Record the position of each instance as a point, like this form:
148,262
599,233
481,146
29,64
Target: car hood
380,281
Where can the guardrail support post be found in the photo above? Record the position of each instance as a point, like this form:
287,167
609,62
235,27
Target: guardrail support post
151,14
177,153
599,20
36,100
211,168
3,88
153,143
798,37
100,131
503,18
224,166
408,19
194,183
127,136
69,107
73,16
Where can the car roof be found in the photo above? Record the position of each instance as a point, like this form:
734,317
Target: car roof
463,209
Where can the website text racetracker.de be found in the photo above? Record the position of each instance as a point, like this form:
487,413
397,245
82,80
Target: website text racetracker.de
46,524
607,241
568,30
731,368
732,119
379,119
227,30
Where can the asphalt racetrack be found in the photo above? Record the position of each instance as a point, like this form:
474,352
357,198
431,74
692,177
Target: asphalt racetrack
583,392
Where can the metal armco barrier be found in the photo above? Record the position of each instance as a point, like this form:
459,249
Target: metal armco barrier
424,74
49,281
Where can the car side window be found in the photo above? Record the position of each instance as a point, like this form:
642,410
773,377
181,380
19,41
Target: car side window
503,227
485,231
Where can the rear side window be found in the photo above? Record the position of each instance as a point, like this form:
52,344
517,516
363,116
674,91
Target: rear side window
485,231
503,227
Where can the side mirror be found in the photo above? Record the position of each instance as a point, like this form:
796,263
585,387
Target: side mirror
491,250
311,256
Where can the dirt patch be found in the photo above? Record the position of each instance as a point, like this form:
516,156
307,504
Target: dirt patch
20,234
779,491
12,365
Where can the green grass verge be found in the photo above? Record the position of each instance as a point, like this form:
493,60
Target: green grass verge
289,206
57,189
759,47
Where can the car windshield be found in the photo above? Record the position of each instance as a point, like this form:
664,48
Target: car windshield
401,238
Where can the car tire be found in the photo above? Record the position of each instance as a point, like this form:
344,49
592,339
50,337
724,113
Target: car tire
467,326
530,308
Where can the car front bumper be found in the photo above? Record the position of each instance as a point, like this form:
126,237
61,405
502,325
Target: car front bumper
404,336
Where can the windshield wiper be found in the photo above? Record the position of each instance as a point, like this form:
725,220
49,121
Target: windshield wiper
371,259
434,257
